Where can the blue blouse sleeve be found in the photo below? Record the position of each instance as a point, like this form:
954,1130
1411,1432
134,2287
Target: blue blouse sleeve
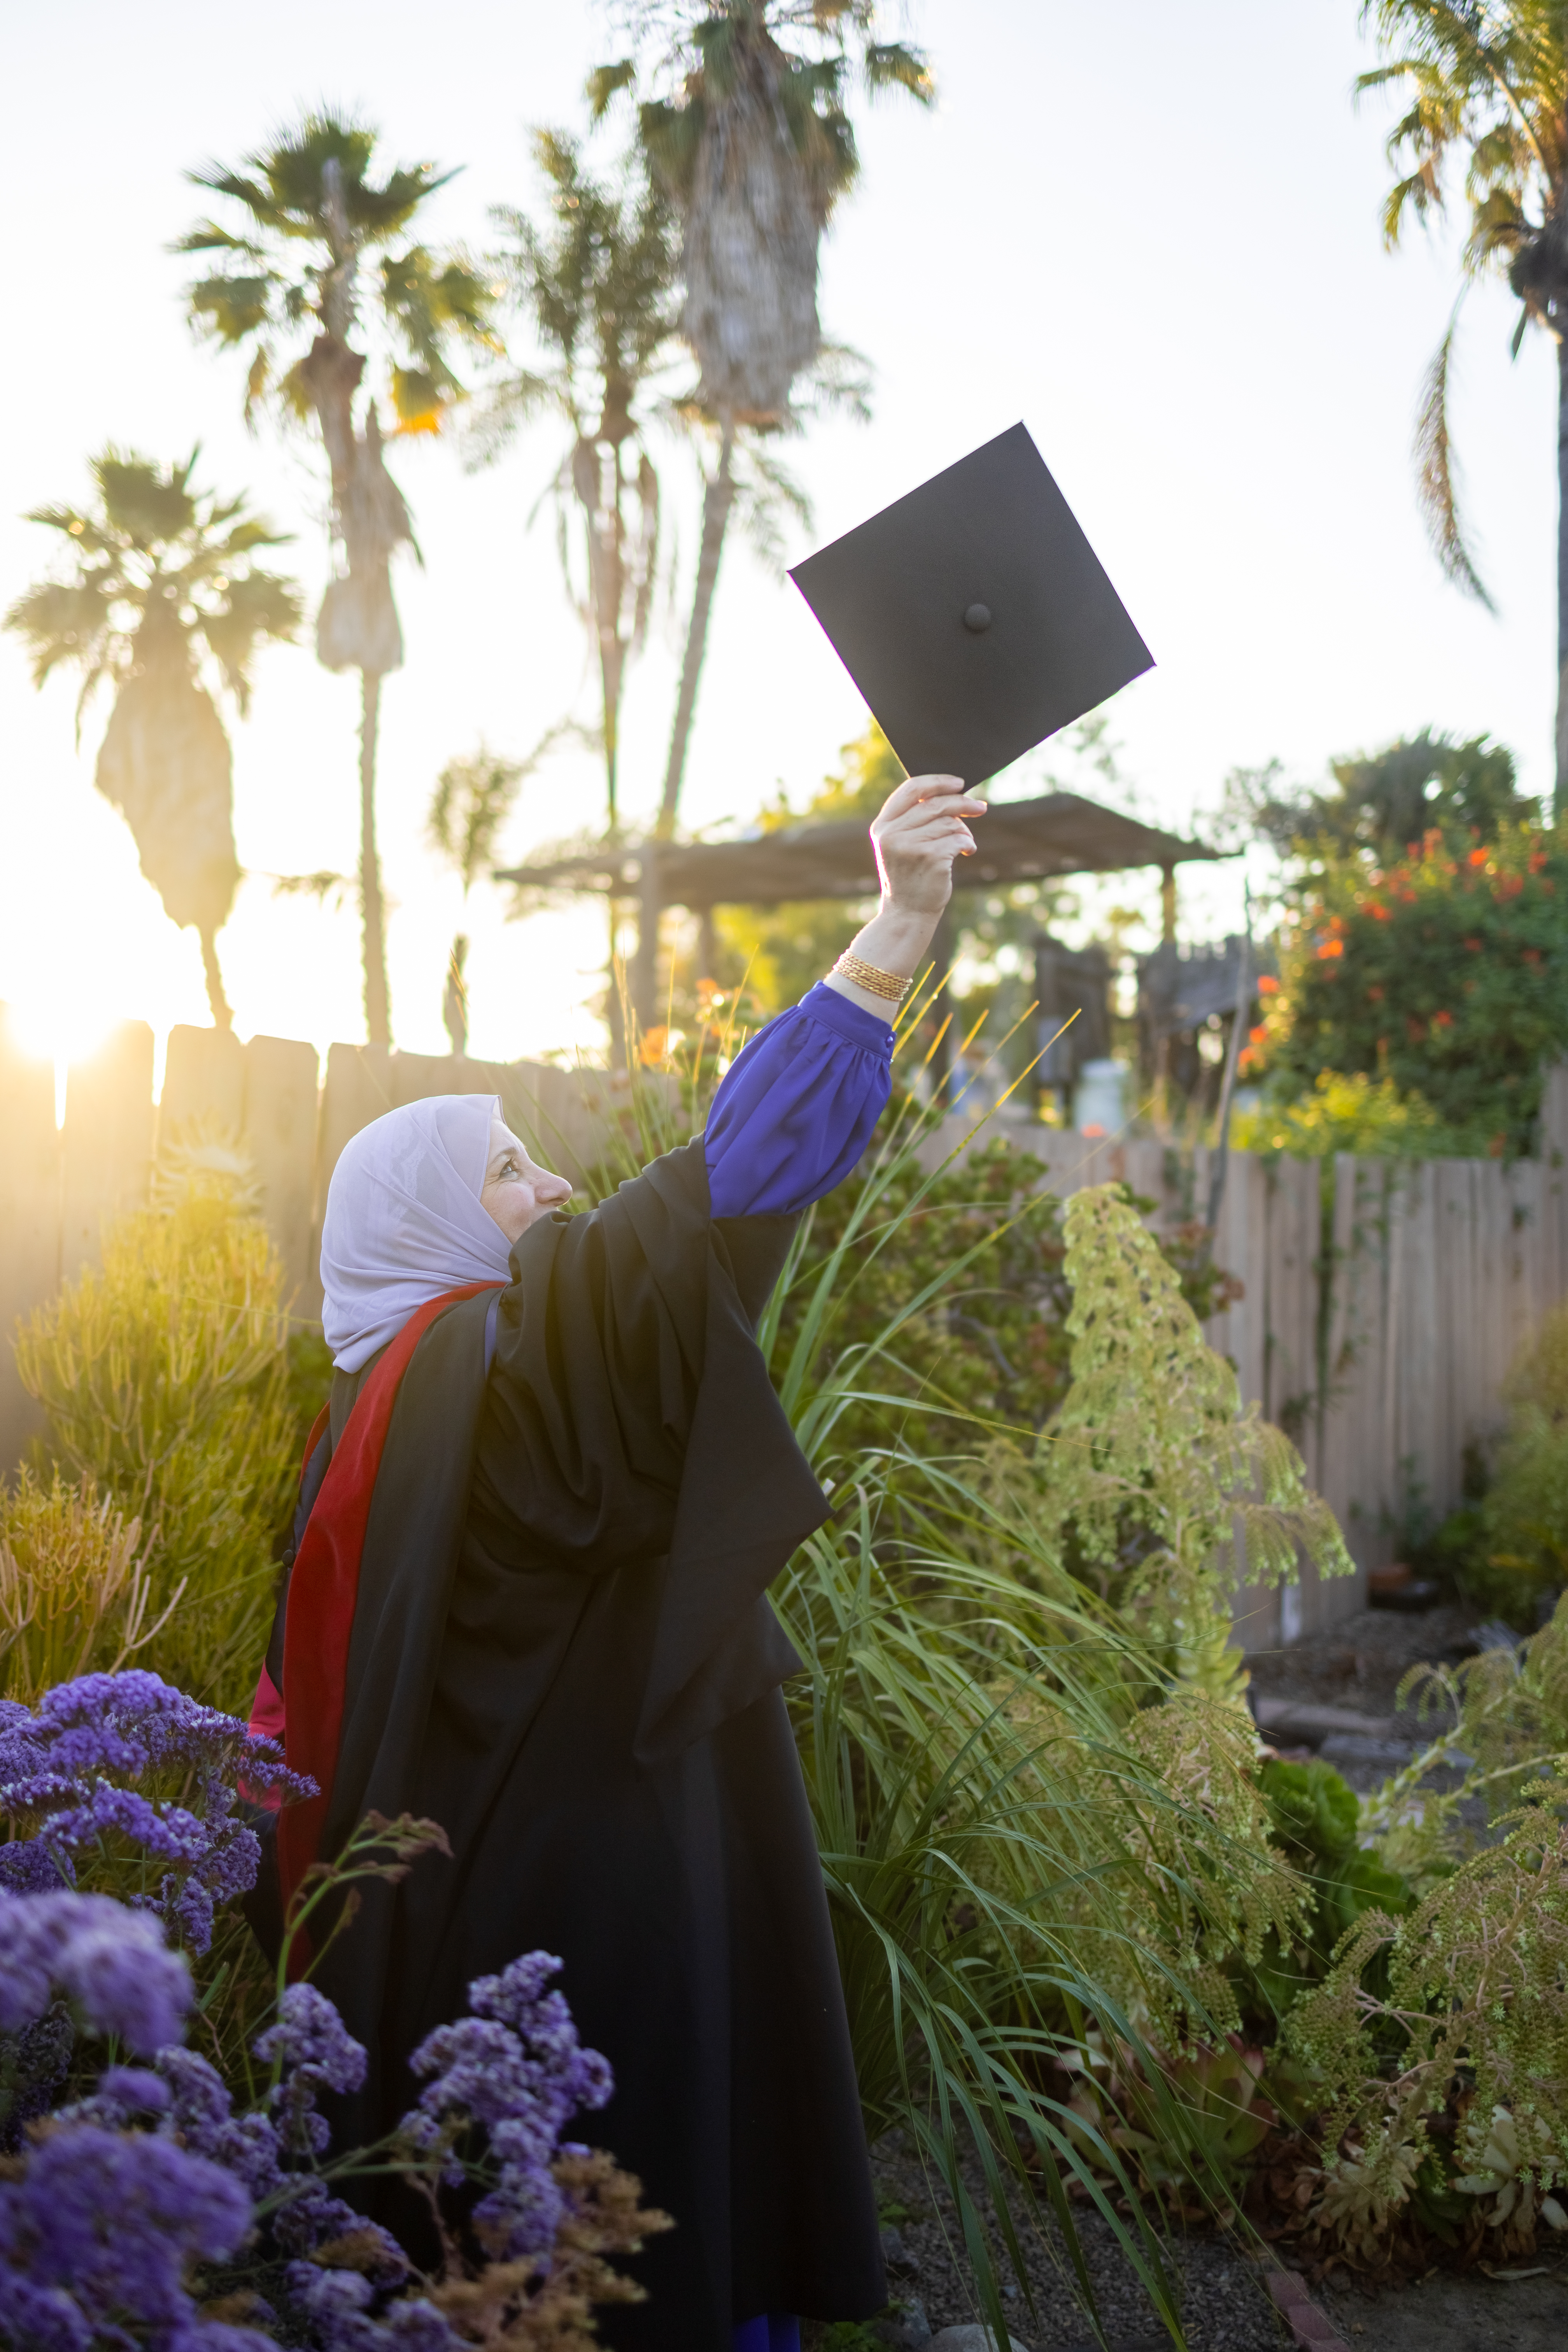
796,1108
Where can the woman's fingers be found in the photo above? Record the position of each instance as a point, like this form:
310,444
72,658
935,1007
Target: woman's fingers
916,791
932,834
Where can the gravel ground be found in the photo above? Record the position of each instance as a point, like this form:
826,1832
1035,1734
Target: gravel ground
1225,2308
1476,2314
1360,1662
1220,2282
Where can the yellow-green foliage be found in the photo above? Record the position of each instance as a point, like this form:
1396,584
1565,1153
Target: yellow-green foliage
1476,2011
164,1378
76,1582
1184,1878
1351,1112
1152,1470
1525,1530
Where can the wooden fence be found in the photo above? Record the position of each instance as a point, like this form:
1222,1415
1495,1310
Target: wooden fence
59,1186
1381,1302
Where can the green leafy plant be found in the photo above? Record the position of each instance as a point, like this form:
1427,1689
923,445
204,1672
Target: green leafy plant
1315,1819
1471,2035
1166,1491
164,1379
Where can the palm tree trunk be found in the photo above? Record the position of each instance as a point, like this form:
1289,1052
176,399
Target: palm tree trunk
377,1004
718,498
223,1016
1559,797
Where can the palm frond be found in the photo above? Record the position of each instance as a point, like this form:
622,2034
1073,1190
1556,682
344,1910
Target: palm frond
64,622
1436,475
893,65
258,608
229,307
604,82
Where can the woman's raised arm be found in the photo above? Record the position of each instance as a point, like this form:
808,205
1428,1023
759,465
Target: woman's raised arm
797,1110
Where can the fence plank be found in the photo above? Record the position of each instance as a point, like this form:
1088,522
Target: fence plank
29,1220
281,1110
204,1078
1293,1199
106,1146
358,1088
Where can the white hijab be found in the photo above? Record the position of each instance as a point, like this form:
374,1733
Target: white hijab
404,1221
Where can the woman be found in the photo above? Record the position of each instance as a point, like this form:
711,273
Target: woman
529,1602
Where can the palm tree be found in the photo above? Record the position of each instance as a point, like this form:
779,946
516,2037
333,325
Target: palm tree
312,221
161,576
756,147
472,801
597,287
1488,81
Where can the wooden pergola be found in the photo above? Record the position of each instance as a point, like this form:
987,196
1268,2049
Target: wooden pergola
1019,841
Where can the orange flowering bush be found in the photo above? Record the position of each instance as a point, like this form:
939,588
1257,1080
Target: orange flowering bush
1446,972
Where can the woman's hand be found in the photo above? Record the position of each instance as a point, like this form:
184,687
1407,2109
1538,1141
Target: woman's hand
918,835
920,832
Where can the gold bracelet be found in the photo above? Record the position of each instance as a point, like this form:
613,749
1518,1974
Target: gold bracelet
890,985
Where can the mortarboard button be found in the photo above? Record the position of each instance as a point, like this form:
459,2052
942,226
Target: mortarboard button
1050,641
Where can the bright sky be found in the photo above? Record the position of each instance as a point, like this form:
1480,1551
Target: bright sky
1151,232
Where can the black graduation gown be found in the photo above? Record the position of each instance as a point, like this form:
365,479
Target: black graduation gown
562,1651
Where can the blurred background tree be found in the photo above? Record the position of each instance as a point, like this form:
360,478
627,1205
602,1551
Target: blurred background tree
598,287
748,128
1488,85
162,576
312,221
471,803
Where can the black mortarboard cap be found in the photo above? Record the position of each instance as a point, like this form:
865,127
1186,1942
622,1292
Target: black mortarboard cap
972,614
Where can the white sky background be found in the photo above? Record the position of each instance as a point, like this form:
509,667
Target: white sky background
1152,232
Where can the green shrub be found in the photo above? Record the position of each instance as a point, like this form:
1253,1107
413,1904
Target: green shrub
1355,1114
1441,971
164,1380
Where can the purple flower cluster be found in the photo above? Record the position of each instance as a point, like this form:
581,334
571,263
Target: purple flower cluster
517,2068
55,1765
315,2052
117,2199
111,1962
341,2307
96,2238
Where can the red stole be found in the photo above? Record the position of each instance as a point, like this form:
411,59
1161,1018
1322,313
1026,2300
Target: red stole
324,1587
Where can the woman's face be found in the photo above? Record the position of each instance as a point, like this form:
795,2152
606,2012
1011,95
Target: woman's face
516,1192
